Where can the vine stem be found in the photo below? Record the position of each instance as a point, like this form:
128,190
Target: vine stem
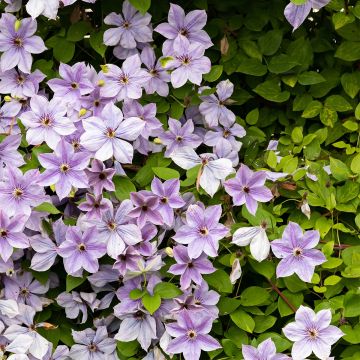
286,300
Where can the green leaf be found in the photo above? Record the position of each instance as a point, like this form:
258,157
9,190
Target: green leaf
142,5
97,42
265,268
73,282
128,349
167,290
294,299
270,42
78,30
251,67
299,2
263,323
253,296
243,320
47,207
281,64
123,187
270,90
339,170
220,281
348,51
297,134
337,103
227,305
351,305
355,164
136,294
332,280
351,83
166,173
63,50
310,78
151,303
214,74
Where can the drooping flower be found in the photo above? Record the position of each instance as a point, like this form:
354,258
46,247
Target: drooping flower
296,249
18,42
46,121
99,177
191,336
48,8
189,269
106,135
247,187
64,168
169,198
265,351
81,250
312,332
296,14
202,230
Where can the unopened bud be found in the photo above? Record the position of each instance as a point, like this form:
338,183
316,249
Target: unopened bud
7,98
169,251
82,112
157,141
104,68
52,187
17,24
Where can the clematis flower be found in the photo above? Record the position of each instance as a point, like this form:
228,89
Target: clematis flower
61,352
188,26
18,42
296,249
11,234
81,250
189,269
169,198
202,230
106,135
312,333
256,237
99,177
94,206
13,5
213,107
8,113
191,336
211,172
296,14
73,304
48,8
125,82
128,260
265,351
46,121
179,136
247,187
64,168
9,154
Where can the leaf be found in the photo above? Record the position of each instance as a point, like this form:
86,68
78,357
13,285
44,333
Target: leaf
252,67
78,30
281,64
295,299
351,83
348,50
253,296
123,187
270,90
96,42
47,207
339,170
128,348
270,42
73,282
63,50
355,164
351,305
136,294
151,303
220,281
337,103
243,320
167,290
310,78
214,74
165,173
142,5
262,323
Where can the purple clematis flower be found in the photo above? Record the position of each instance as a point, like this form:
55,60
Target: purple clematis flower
213,106
93,345
265,351
188,62
190,269
106,135
11,234
202,230
159,76
8,114
81,250
9,154
247,187
131,28
191,336
188,26
73,304
125,82
296,249
94,206
74,83
46,121
169,198
128,260
296,14
21,192
64,168
18,42
312,333
19,84
179,136
99,177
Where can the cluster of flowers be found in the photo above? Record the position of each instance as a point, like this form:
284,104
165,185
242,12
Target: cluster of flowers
82,124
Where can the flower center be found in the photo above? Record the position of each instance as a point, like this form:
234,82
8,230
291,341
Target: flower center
313,333
164,200
97,103
17,193
126,25
92,347
178,138
46,121
139,315
191,334
226,133
184,32
124,79
3,232
246,189
82,247
190,265
153,72
24,292
75,144
204,231
144,208
64,168
110,133
111,225
297,252
102,176
96,205
20,79
18,42
197,301
74,85
185,60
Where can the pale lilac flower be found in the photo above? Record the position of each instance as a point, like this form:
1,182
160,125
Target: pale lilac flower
11,234
224,150
94,206
188,62
60,353
93,345
81,250
202,230
8,114
64,168
169,198
189,269
48,8
213,107
46,121
21,192
18,42
73,305
191,336
99,177
256,237
296,14
131,28
178,136
19,84
211,172
265,351
296,249
159,76
312,333
125,82
13,5
236,271
128,260
94,102
73,84
248,187
137,325
106,135
189,26
9,154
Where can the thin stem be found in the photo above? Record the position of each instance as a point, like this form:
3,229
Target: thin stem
286,300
